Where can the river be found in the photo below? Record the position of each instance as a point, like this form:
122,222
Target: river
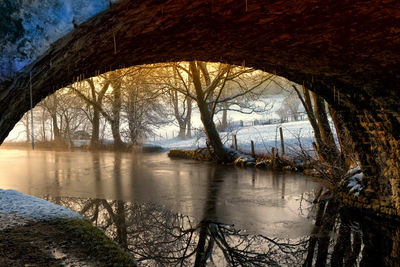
171,212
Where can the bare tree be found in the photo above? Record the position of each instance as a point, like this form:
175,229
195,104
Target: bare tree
114,80
291,103
282,112
70,114
25,123
51,104
142,109
167,78
93,97
209,82
325,146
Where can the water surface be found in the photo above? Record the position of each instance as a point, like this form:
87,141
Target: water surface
256,200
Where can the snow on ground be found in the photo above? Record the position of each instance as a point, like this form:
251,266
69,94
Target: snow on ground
31,208
264,136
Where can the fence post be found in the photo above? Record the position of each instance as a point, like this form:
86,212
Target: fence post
235,141
282,141
253,153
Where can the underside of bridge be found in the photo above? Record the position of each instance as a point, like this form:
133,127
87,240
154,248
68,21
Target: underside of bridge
345,51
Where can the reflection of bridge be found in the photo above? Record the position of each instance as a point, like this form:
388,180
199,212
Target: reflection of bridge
345,51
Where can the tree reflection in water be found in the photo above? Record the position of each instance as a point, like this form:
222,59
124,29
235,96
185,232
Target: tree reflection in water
158,237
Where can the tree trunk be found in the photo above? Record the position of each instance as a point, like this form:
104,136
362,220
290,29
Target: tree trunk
213,137
43,125
94,140
68,132
182,129
343,136
323,123
116,111
58,140
189,118
328,147
311,115
224,122
56,130
118,144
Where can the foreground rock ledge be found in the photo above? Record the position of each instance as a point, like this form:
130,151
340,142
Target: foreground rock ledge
60,242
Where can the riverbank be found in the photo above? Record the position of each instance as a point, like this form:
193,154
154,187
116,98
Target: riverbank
36,232
60,242
273,162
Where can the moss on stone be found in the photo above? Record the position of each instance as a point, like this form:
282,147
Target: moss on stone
95,241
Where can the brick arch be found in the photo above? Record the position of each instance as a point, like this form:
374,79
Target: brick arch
346,51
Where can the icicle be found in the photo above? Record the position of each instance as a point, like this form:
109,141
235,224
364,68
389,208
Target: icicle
30,94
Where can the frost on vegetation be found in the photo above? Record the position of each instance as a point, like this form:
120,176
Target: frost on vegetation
32,208
353,180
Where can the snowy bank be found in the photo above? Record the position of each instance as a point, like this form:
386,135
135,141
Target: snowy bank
264,137
32,208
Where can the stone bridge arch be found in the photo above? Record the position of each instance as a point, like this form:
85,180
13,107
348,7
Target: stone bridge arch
345,51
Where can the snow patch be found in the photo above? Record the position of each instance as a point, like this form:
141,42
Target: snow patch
32,208
354,177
